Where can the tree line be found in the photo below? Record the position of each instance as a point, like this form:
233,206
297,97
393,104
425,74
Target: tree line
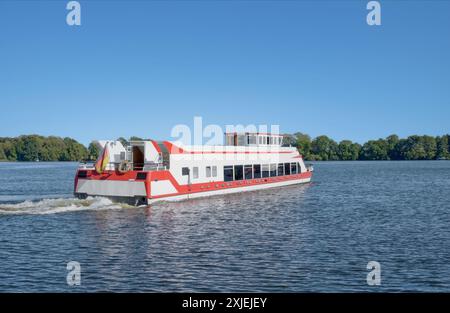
321,148
35,147
52,148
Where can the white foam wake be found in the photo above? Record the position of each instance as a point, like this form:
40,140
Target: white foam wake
51,206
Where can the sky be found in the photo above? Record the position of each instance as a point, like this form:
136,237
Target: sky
142,67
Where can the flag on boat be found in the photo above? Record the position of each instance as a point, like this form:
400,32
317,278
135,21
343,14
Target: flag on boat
102,160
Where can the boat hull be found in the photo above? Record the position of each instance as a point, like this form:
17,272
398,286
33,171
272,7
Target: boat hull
161,186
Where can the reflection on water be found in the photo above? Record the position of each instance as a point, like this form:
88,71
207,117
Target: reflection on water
314,237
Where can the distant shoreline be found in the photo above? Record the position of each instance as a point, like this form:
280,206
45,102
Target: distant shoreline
28,148
315,161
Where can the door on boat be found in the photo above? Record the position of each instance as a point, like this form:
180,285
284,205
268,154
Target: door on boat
138,157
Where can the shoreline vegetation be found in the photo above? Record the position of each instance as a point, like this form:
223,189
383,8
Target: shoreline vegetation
31,148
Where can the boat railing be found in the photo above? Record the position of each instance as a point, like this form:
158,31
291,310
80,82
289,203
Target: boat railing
86,165
90,165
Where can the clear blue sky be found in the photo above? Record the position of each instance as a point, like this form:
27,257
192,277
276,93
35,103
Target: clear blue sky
140,67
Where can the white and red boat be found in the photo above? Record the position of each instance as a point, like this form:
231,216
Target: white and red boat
147,171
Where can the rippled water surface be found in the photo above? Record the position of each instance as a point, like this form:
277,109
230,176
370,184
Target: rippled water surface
315,237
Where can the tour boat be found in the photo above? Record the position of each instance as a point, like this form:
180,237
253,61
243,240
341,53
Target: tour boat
146,171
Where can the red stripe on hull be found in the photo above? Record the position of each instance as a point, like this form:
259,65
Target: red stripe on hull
221,185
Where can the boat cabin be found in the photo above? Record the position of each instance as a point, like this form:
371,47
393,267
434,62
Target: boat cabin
253,139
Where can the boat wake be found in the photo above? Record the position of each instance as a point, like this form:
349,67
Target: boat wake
60,205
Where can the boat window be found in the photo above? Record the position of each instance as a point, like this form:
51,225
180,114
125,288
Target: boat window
185,171
273,170
252,140
280,169
248,172
293,168
195,170
287,169
265,170
260,140
230,140
228,173
256,171
267,140
241,140
299,168
214,171
208,171
238,172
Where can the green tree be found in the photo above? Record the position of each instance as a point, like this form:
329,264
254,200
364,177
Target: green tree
348,150
28,147
414,149
9,149
324,148
74,151
418,148
94,151
430,147
442,147
33,147
303,144
2,153
375,150
392,142
400,149
53,149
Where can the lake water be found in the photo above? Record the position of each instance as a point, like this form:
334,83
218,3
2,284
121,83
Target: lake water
314,237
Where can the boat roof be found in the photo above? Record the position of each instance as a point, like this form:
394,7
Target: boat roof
251,133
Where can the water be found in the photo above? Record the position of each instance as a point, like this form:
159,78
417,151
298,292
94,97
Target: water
315,237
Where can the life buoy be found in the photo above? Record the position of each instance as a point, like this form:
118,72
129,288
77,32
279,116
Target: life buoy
124,167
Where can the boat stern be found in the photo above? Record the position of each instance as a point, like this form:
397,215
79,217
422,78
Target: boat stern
131,187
